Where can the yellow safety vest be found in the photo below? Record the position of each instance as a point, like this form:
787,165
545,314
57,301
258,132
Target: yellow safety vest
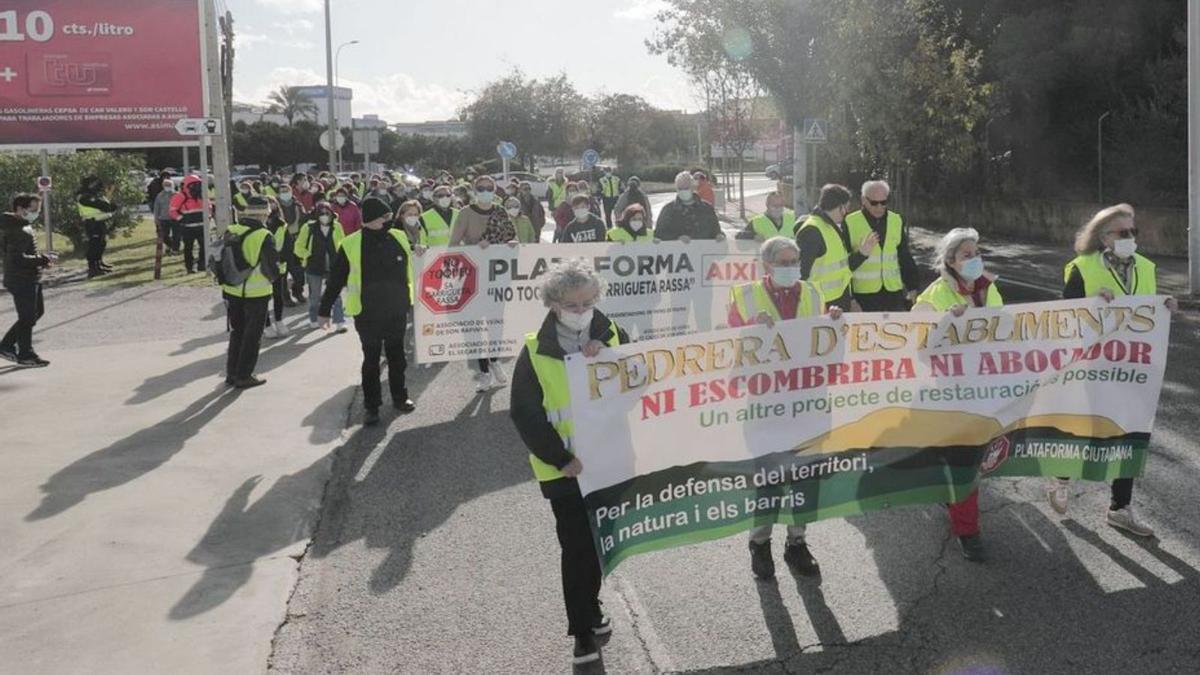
436,231
610,186
942,295
352,246
752,298
1097,274
93,213
556,399
830,272
881,269
303,246
620,234
766,229
280,235
557,192
257,285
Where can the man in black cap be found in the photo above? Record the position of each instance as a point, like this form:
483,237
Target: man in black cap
246,299
372,265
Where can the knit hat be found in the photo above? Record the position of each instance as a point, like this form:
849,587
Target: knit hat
374,208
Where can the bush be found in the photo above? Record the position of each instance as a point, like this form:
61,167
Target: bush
657,173
18,173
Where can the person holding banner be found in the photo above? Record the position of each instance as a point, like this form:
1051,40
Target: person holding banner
585,227
631,226
541,412
963,283
780,296
688,217
438,219
1108,265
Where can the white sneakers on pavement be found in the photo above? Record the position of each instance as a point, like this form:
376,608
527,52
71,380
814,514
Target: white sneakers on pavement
499,374
1059,494
484,382
1124,519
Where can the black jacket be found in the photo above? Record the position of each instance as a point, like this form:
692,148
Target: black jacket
812,246
384,279
22,263
588,232
695,219
529,415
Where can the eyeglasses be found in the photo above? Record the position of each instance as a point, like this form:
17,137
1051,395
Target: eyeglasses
877,202
1124,233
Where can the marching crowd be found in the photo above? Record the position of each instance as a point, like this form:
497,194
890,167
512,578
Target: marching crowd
344,249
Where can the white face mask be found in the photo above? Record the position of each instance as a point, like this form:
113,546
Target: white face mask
513,213
1124,248
637,224
426,193
581,214
576,322
685,195
341,200
484,197
972,268
443,202
785,276
411,221
324,220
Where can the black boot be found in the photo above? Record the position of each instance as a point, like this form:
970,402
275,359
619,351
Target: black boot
761,562
800,560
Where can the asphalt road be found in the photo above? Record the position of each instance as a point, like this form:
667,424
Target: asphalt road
436,554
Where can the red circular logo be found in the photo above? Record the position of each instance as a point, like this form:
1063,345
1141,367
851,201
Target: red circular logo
996,454
449,283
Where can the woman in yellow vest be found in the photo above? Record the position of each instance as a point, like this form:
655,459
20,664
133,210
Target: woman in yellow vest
780,296
541,412
438,220
1108,265
963,283
631,226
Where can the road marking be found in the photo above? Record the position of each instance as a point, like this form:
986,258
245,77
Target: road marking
642,624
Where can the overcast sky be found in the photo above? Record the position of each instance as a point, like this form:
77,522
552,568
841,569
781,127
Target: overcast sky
420,60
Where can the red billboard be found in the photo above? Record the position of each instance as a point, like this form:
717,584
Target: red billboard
99,73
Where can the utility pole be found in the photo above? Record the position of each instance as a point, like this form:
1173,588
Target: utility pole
1100,157
220,148
333,132
227,53
46,203
1193,23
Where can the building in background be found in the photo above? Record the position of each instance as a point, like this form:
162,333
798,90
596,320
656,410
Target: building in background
342,98
369,122
251,114
448,128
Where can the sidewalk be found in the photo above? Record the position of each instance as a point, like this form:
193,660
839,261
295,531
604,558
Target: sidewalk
153,519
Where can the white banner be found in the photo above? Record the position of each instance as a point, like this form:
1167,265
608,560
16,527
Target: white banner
473,303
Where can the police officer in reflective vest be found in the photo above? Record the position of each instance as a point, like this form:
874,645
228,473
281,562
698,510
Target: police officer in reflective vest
96,212
779,296
826,257
610,191
372,265
541,412
246,303
888,280
438,220
1109,266
778,221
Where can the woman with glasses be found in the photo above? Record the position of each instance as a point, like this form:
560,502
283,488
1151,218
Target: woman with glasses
1108,266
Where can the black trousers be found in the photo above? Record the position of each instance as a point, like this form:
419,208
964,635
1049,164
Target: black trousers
610,203
379,338
27,296
883,301
580,565
170,237
1122,493
192,235
247,318
279,291
97,240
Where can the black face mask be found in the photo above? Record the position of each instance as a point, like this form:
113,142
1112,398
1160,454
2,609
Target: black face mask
194,190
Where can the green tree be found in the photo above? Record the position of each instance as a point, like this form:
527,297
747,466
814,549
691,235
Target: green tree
293,105
504,111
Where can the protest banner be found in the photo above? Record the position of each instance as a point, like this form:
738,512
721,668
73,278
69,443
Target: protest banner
80,74
698,437
474,303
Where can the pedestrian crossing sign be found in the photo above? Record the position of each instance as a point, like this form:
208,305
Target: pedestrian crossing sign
816,130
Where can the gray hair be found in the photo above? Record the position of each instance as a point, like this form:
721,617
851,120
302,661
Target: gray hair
684,180
948,247
771,248
1087,240
568,275
871,184
512,201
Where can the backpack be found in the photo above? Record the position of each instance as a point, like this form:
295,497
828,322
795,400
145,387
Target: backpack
231,267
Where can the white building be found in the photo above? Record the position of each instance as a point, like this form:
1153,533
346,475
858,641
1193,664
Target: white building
369,122
249,113
450,128
342,97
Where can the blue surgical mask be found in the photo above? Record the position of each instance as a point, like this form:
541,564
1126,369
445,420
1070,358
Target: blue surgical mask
285,197
685,195
484,196
785,276
972,268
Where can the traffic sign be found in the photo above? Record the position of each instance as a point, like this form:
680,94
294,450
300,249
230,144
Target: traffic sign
325,142
199,126
366,141
816,130
449,283
44,183
590,157
506,150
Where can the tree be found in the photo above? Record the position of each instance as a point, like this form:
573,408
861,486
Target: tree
293,105
504,111
622,127
557,112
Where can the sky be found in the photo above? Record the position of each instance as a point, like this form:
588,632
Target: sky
422,60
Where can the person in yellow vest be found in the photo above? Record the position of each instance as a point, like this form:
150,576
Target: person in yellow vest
826,257
780,296
777,221
541,411
246,302
888,280
317,245
610,192
556,189
1108,265
963,283
631,226
438,221
282,240
372,266
96,212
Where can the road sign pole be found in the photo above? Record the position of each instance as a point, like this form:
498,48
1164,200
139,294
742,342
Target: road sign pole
799,175
1193,23
185,162
46,203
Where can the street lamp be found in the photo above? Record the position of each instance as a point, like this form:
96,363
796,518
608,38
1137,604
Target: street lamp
337,76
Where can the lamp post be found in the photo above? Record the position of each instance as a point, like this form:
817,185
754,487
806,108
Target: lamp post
1193,76
337,76
1100,157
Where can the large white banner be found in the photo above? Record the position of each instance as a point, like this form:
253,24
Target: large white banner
473,302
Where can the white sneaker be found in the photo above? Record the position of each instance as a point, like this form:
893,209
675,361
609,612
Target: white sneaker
272,332
498,374
314,325
483,381
340,328
1123,519
281,331
1059,493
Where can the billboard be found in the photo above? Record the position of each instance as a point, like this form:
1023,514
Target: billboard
81,73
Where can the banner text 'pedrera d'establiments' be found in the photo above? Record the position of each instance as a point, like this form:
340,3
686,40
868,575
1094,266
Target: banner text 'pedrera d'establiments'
692,438
473,303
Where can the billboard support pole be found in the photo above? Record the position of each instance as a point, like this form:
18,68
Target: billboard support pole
216,101
46,203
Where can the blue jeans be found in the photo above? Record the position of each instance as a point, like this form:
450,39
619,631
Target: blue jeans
315,283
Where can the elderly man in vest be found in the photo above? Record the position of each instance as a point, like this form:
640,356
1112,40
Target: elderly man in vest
372,265
888,279
777,221
246,303
826,257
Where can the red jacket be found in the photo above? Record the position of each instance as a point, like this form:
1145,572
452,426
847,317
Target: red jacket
185,208
349,215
